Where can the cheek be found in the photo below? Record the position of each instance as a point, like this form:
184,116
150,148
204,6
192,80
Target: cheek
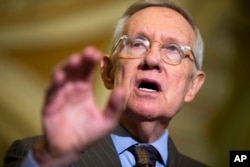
123,74
179,83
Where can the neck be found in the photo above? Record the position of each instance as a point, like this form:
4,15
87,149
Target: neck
146,131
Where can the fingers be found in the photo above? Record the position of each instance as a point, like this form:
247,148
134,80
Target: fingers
114,107
79,67
62,99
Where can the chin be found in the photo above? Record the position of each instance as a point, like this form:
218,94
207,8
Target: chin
144,111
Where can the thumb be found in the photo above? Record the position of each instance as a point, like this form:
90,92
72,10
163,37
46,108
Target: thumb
114,106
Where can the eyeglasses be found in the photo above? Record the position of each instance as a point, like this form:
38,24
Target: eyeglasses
138,46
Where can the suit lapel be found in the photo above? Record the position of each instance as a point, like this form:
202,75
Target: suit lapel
102,154
173,155
177,159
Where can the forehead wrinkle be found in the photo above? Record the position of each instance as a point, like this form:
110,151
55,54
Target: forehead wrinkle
142,22
163,37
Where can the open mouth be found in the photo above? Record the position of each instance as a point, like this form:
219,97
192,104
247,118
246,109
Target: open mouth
149,86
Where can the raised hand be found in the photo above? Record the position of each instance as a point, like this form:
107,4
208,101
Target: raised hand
71,120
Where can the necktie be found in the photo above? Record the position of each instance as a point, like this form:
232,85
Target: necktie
145,154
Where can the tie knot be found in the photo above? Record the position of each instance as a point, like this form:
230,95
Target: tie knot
145,155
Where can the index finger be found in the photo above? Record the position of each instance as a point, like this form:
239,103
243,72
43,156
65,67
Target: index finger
81,66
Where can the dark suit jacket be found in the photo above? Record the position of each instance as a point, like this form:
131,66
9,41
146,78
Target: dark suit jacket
102,154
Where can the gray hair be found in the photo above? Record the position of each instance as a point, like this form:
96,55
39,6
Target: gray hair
142,4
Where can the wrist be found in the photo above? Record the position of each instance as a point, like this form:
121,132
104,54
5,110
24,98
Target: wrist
47,158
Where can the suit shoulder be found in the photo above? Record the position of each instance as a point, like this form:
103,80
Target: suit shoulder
190,162
178,159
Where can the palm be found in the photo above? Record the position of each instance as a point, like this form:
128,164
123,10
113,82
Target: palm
71,119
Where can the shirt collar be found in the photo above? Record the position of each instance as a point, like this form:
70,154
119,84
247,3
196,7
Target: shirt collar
122,140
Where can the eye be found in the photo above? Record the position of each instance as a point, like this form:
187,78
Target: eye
171,53
171,48
136,44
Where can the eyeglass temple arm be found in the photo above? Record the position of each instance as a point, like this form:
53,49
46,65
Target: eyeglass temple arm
191,50
117,42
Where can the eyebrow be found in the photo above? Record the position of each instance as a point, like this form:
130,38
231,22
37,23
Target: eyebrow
166,39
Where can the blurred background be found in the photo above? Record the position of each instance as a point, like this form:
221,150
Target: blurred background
36,34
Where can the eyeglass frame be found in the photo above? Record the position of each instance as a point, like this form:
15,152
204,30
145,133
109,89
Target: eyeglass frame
181,47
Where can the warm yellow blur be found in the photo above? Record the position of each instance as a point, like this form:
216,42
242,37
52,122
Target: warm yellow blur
34,36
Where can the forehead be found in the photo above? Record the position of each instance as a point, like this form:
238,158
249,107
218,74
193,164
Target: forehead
160,23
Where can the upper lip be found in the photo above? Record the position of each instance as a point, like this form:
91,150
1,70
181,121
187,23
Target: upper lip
148,83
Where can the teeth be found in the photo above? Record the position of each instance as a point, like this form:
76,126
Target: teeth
148,90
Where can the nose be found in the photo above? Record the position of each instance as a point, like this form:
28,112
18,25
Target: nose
152,59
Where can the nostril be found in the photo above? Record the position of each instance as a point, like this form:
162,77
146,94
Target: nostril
151,61
146,66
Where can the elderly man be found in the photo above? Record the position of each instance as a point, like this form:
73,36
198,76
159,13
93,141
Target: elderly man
154,67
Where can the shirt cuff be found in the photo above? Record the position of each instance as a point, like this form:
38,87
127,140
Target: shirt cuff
29,161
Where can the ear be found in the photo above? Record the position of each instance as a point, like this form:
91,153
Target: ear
107,72
197,82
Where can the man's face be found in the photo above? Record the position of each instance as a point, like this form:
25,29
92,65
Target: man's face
154,89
